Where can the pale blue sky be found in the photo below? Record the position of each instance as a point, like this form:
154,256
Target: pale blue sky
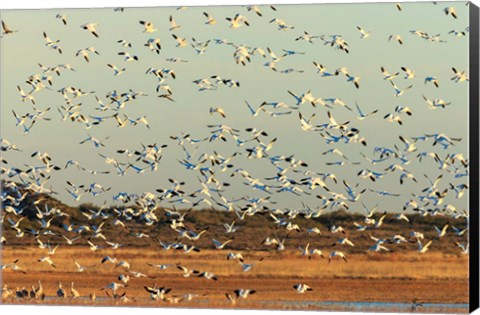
21,52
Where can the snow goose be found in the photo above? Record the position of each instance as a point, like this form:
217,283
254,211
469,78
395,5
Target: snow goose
148,27
302,288
450,11
252,111
51,251
397,38
157,293
380,221
176,60
243,293
336,254
364,34
62,17
181,42
315,251
419,33
306,125
127,57
378,247
343,241
187,272
217,110
124,264
363,115
433,80
81,268
237,21
48,260
52,44
423,248
219,245
336,101
409,74
135,274
458,33
210,19
255,9
235,257
93,247
160,266
459,232
248,267
314,230
360,227
307,37
279,243
230,228
154,45
387,75
207,275
398,91
26,96
173,24
85,53
442,232
116,71
322,70
113,286
402,216
91,28
281,24
463,247
124,43
335,229
398,239
354,80
401,109
459,76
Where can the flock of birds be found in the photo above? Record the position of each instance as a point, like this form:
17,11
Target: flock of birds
290,175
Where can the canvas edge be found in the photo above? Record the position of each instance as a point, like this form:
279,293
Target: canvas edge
474,138
474,158
1,136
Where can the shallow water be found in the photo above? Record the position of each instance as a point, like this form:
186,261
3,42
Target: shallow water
275,304
367,306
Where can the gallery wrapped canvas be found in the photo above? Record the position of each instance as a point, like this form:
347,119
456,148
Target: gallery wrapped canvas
292,157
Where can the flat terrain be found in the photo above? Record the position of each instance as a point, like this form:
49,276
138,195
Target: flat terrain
433,277
387,281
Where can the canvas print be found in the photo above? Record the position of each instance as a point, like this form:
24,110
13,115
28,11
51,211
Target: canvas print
295,157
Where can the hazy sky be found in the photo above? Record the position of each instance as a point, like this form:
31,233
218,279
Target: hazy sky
21,52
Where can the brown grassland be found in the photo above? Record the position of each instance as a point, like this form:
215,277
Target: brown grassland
399,277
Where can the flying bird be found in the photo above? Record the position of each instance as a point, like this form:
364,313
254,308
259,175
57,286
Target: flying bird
6,29
91,28
62,17
148,27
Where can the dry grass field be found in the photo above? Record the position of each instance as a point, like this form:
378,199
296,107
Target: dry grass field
399,277
438,278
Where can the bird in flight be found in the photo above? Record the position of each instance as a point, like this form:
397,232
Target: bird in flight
91,28
7,30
